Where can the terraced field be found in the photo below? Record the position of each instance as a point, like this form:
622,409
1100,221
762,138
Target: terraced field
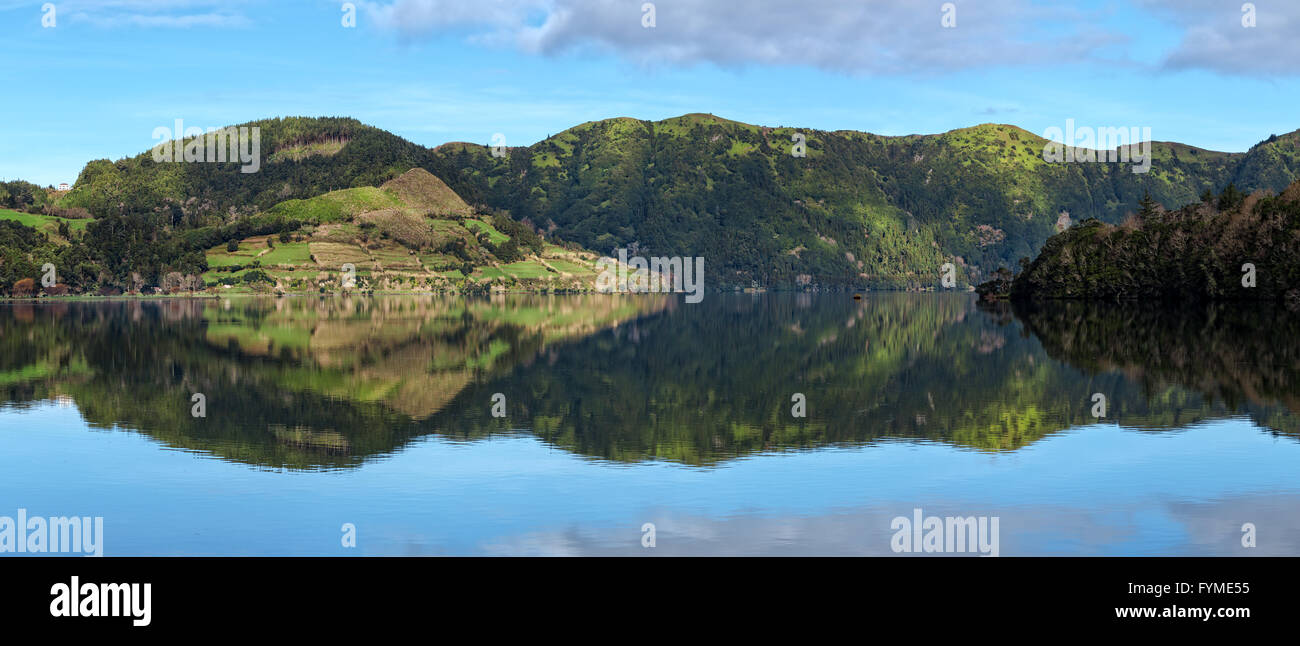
290,253
412,233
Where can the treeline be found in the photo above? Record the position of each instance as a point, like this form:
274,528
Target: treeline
115,253
1227,246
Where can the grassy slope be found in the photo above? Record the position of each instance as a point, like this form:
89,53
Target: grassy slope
398,230
47,223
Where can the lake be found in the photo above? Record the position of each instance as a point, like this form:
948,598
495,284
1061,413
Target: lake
644,425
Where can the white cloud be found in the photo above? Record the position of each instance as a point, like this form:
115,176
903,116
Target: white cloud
1203,529
1214,37
856,36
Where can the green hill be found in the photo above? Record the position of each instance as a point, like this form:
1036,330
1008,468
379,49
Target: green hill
412,233
302,158
858,209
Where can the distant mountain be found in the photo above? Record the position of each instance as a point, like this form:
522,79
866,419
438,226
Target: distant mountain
301,158
858,210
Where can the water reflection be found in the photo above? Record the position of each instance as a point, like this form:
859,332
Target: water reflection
1237,357
305,383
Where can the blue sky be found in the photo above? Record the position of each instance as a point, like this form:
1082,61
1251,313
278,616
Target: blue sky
109,72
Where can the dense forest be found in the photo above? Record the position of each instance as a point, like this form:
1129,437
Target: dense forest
24,196
1229,246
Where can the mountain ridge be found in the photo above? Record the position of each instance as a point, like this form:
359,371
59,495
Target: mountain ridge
997,199
856,210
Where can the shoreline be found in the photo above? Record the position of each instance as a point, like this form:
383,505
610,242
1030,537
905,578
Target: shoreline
216,296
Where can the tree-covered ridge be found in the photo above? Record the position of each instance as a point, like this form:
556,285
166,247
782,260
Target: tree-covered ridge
858,209
208,194
1227,246
307,382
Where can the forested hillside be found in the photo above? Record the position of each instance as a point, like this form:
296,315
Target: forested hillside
1230,246
301,158
858,209
765,206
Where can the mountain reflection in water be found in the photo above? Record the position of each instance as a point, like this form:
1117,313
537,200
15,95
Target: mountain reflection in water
307,383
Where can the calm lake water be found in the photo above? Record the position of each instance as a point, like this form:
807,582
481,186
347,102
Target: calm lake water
627,410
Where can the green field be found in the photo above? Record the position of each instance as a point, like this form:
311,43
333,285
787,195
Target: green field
356,232
42,222
278,336
527,269
440,262
495,236
338,205
247,253
287,253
